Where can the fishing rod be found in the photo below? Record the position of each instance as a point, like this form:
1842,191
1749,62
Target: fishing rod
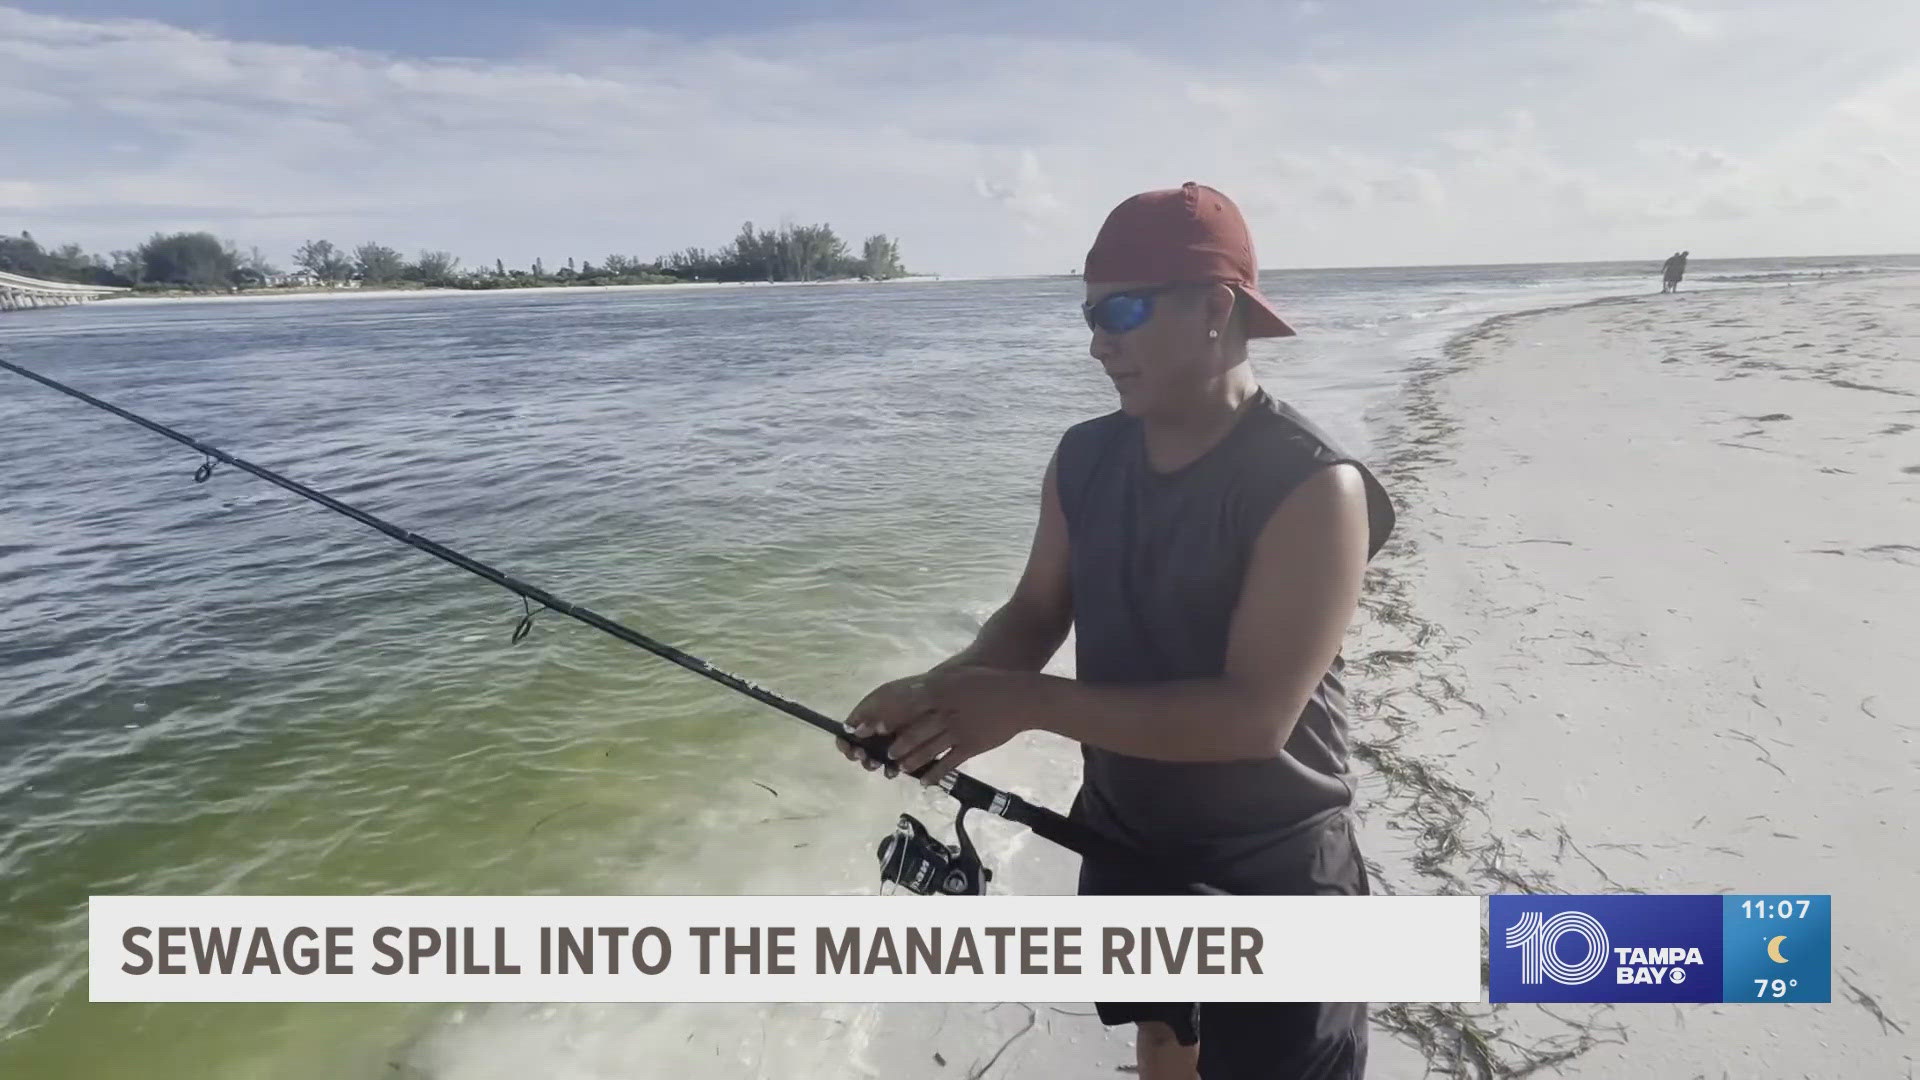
911,856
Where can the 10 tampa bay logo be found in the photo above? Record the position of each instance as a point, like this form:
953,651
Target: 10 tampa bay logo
1604,948
1538,939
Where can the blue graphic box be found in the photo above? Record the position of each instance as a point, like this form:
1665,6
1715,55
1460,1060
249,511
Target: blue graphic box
1640,948
1778,948
1604,948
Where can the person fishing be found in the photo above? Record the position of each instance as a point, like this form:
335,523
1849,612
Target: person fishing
1206,543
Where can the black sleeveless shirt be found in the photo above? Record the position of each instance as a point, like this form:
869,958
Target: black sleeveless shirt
1157,562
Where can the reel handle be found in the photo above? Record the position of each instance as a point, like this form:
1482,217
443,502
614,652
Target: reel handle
913,858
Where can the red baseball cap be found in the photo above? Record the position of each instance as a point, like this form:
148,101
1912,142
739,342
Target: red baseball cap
1191,233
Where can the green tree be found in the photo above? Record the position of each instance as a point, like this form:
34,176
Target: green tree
25,256
695,264
791,253
130,266
433,267
378,264
327,262
197,260
258,263
880,258
22,255
750,256
818,253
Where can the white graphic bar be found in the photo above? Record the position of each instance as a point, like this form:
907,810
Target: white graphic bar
784,948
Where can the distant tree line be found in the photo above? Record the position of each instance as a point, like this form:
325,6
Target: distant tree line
793,253
202,261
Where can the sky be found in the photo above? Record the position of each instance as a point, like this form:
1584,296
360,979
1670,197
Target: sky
989,137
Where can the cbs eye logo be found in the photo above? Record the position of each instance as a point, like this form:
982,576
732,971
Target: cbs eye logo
1538,939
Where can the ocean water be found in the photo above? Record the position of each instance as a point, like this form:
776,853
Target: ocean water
219,687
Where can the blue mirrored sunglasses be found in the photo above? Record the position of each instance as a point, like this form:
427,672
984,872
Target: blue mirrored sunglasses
1119,312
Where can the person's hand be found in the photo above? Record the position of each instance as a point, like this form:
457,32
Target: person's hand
894,703
942,718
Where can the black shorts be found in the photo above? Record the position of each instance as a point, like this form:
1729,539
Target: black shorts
1269,1040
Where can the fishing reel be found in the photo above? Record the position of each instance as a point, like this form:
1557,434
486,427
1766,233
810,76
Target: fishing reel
912,857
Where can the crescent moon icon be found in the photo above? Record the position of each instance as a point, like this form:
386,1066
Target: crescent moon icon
1773,950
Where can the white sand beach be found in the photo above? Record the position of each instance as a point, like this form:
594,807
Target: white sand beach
1648,625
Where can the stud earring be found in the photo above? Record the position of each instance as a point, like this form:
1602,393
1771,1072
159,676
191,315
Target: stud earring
1213,333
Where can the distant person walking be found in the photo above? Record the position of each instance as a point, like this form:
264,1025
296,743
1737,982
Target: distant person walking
1673,271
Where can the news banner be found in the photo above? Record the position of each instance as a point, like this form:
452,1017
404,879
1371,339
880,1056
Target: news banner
1760,949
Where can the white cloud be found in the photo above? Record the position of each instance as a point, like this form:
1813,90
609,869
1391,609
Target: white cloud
1231,101
1669,17
1411,185
1023,188
1711,162
1721,208
1696,160
1683,20
1582,128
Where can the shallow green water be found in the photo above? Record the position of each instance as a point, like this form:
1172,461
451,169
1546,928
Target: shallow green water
220,688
